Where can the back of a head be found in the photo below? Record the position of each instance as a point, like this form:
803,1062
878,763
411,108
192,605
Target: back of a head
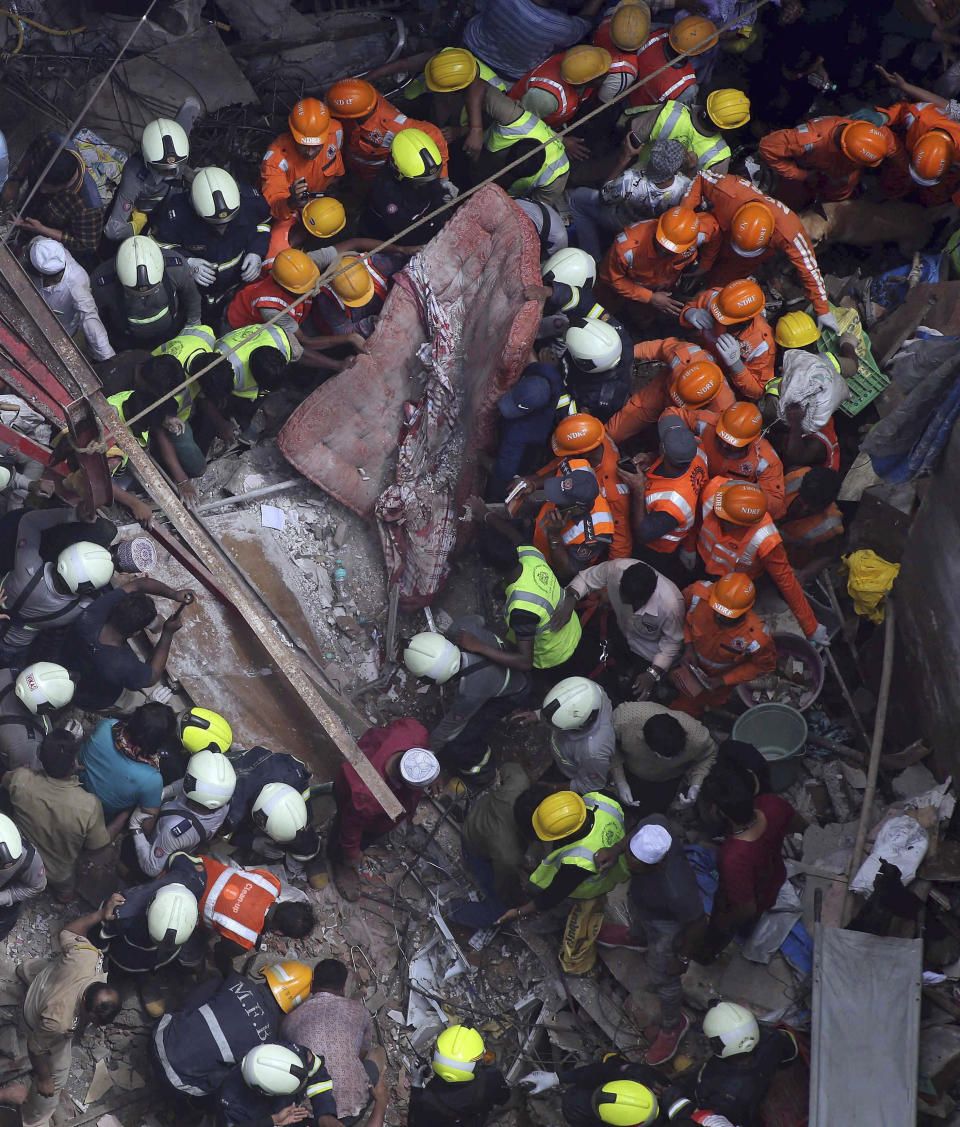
64,170
637,584
819,487
293,918
132,614
102,1002
161,373
58,753
731,792
664,735
499,553
268,366
217,381
151,726
329,975
524,805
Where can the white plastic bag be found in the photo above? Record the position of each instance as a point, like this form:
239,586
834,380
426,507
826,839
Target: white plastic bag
903,842
813,382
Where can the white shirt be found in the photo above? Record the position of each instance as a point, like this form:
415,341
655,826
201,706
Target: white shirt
631,196
72,303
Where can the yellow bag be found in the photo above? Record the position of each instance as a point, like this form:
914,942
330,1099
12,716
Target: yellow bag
578,951
870,578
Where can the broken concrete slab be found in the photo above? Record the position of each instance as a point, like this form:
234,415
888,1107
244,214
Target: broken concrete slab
913,781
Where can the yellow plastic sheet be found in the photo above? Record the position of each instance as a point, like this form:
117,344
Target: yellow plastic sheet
869,579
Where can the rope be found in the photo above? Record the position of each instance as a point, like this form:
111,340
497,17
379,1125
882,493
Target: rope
23,21
334,271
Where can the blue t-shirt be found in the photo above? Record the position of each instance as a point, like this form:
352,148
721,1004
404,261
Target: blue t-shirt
117,781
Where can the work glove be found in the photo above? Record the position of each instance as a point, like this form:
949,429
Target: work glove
689,796
160,693
75,728
539,1081
820,637
203,272
828,321
137,818
450,190
699,319
250,267
727,348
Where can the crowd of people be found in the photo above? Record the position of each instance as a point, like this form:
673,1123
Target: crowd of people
655,466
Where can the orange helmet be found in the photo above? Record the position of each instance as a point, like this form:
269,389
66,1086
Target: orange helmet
931,157
309,121
697,384
733,595
739,424
864,143
677,229
352,97
741,502
693,34
737,301
752,229
577,434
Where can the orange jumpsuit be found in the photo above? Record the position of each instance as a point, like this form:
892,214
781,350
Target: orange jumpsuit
634,268
366,147
738,651
757,462
678,496
723,196
282,164
614,492
547,77
757,348
910,121
754,549
811,157
279,240
802,535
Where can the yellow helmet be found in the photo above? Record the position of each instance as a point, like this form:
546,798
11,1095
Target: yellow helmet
289,983
728,109
451,69
295,271
582,64
203,730
626,1103
324,217
415,155
458,1049
795,330
559,815
353,286
630,26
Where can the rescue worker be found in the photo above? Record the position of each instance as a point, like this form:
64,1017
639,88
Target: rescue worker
926,161
204,730
194,1049
756,228
598,365
480,693
464,1089
574,527
697,394
255,361
822,160
555,90
187,354
738,534
735,447
725,644
411,185
193,811
222,229
351,302
645,261
304,161
577,829
812,526
614,1092
622,32
543,175
154,174
273,1081
22,875
64,286
399,755
662,76
27,702
582,741
146,295
700,129
730,322
371,124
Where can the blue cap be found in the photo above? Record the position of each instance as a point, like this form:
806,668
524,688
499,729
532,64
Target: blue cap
575,487
532,392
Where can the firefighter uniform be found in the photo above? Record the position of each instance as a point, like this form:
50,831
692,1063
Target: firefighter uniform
196,1047
634,267
601,394
366,147
282,164
548,182
548,79
723,196
678,496
394,204
804,532
910,121
144,320
448,1103
754,549
758,462
140,192
260,301
240,1105
178,829
255,768
738,651
810,157
758,350
538,593
246,340
659,79
21,732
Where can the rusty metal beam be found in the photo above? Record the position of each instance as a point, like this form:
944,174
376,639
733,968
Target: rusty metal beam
267,632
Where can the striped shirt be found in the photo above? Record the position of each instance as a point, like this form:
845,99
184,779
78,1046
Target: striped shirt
514,36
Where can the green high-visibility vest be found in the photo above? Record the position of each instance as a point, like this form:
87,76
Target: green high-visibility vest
116,402
555,163
538,592
674,123
196,340
419,86
607,831
246,339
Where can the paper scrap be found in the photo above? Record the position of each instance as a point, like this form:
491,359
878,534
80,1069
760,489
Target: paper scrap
272,517
100,1084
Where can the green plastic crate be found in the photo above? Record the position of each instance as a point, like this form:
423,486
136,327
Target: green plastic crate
865,384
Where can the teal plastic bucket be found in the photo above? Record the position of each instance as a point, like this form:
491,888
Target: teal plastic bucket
778,732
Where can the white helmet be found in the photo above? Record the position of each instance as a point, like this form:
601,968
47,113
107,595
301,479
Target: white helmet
431,655
594,345
572,702
6,476
164,144
280,810
210,779
274,1070
139,263
215,195
172,915
731,1029
85,567
44,687
11,843
572,266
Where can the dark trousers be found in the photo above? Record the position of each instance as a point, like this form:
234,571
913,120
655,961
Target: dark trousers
467,749
8,917
653,798
483,913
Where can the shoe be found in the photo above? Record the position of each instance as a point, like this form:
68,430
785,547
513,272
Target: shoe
152,997
664,1048
317,873
347,881
619,935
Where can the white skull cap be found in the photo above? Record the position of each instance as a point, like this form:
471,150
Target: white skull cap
47,255
419,767
650,844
